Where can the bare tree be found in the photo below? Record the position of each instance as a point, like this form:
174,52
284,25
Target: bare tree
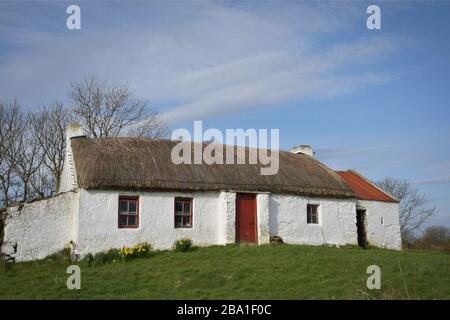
109,109
414,206
32,145
26,156
436,234
49,125
22,176
435,238
11,125
42,184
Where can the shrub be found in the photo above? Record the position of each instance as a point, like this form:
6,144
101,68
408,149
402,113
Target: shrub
109,256
182,245
89,258
139,250
100,258
62,255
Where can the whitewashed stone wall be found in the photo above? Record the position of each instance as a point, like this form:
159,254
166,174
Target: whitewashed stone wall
98,227
337,220
38,229
262,215
227,217
89,219
382,224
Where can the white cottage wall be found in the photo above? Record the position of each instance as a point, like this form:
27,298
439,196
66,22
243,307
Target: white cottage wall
262,215
38,229
382,224
337,220
227,217
98,220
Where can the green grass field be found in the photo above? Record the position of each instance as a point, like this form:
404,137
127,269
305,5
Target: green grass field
233,272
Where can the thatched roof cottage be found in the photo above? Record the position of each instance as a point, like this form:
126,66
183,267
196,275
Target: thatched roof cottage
122,191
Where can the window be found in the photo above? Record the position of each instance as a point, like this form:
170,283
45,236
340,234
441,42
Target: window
312,213
183,212
128,212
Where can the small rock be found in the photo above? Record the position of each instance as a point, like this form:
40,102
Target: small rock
276,239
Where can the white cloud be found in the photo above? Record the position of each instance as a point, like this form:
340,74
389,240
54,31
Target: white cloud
331,153
206,60
434,180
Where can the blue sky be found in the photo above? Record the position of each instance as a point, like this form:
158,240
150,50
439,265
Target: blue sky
372,100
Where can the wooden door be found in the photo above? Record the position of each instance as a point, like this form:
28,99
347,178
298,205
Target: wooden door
246,227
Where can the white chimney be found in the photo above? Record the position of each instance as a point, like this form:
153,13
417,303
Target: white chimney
68,180
74,130
304,149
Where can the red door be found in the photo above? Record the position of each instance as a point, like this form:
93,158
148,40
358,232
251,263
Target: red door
246,218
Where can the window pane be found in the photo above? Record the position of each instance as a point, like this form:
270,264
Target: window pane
187,221
187,207
123,206
311,213
132,206
132,220
178,221
122,220
178,206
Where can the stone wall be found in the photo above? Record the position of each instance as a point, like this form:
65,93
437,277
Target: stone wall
337,220
37,229
382,224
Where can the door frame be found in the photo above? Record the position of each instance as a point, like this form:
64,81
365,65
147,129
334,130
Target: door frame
361,227
237,226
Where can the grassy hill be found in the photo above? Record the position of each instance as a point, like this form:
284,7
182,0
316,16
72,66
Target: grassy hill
233,272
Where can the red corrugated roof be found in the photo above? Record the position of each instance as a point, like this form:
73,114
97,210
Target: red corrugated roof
362,188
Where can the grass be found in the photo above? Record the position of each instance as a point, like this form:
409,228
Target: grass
233,272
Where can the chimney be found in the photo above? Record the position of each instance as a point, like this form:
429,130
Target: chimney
74,130
304,149
68,179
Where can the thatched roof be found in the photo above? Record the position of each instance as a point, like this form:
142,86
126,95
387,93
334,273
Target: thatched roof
145,164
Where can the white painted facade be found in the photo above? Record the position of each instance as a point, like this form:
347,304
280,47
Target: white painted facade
38,229
382,223
89,218
213,220
337,220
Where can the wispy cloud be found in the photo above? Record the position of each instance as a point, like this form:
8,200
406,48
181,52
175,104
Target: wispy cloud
441,175
434,180
205,60
332,153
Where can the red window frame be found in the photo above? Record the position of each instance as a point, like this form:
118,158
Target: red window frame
312,213
128,199
182,213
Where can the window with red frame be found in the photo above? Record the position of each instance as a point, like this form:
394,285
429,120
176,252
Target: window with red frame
128,212
312,213
183,212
